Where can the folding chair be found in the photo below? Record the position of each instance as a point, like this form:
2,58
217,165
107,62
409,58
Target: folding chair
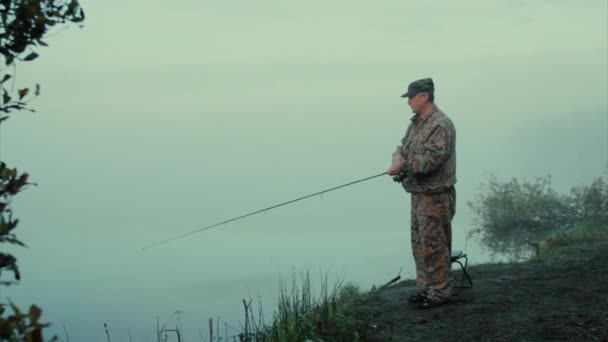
456,256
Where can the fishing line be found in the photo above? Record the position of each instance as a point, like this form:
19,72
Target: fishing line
259,211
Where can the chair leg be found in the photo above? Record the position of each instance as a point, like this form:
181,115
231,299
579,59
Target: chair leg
465,274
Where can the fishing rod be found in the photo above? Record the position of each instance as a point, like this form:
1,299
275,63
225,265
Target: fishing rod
261,210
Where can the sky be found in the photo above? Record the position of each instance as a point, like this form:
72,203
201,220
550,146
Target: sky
159,118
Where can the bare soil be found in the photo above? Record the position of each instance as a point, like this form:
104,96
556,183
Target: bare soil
562,297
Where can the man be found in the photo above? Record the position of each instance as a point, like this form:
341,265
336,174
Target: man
425,163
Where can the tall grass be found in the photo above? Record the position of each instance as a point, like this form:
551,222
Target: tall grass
305,315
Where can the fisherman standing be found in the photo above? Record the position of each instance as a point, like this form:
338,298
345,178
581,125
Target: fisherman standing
425,163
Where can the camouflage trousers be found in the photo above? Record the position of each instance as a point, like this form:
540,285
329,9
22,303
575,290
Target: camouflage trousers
432,241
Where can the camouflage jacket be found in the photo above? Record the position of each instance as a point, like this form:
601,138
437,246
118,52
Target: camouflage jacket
429,152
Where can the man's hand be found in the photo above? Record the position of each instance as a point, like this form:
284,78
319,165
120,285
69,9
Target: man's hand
396,163
394,170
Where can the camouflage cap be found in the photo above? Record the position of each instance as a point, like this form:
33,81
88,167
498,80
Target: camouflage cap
419,86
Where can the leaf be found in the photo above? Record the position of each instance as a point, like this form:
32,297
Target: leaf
3,227
35,313
11,224
9,59
13,240
23,92
6,78
72,6
6,98
15,308
31,57
40,42
37,92
80,18
7,173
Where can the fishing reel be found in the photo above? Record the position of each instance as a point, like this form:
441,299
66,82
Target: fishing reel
400,177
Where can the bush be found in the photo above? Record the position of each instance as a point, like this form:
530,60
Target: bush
588,205
513,215
565,238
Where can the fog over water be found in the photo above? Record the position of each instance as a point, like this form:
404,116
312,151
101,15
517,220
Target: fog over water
158,118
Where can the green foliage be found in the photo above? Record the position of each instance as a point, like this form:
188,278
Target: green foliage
302,315
18,326
561,238
514,215
589,203
23,25
11,183
512,212
22,326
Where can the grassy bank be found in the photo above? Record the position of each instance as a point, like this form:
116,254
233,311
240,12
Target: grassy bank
559,295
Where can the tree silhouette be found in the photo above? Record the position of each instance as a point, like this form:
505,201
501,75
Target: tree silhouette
24,23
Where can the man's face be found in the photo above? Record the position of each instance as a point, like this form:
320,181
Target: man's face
417,101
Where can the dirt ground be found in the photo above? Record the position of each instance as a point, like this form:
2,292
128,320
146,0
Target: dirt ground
559,298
